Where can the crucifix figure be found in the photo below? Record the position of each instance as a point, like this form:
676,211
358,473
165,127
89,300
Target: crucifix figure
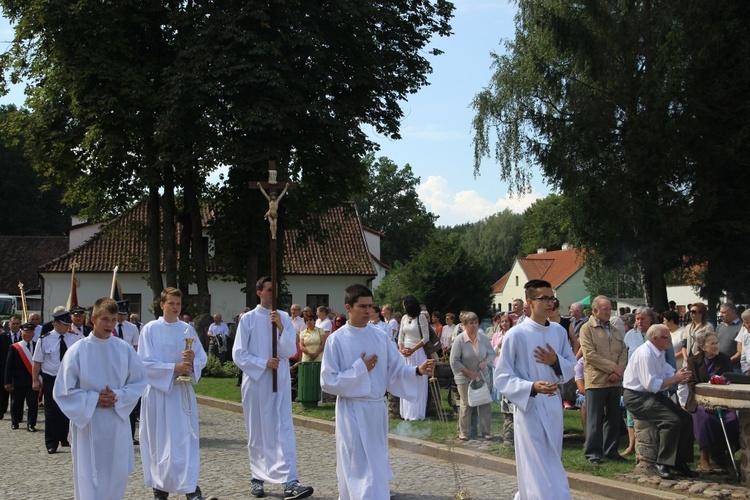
272,217
273,207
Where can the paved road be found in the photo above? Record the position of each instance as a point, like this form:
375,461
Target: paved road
29,472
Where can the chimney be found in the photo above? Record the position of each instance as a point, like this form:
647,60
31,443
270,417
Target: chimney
566,246
541,250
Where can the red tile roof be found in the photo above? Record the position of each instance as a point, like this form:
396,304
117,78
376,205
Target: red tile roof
344,251
500,284
555,266
21,256
122,242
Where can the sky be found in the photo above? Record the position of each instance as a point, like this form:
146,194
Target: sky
436,128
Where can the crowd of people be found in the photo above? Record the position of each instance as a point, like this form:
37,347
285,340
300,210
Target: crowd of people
104,375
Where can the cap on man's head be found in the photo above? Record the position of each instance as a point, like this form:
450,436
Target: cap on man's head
77,310
62,317
28,327
122,306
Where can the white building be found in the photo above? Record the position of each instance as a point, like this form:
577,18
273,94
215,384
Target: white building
563,269
316,272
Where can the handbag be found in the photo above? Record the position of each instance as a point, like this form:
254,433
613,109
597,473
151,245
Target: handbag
433,343
479,393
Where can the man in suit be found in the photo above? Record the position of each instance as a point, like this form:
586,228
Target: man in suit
18,370
77,318
6,339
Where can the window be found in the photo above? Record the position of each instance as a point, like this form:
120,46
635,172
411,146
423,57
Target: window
134,300
314,301
516,280
285,302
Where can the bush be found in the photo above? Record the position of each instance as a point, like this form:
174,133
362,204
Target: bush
215,369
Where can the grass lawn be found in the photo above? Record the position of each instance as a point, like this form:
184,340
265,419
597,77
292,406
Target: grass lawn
446,432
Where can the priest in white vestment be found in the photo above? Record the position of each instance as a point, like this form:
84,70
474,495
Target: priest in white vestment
169,411
99,382
535,358
360,364
268,415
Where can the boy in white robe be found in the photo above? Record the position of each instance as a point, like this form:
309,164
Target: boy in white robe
99,383
268,415
360,364
169,411
535,358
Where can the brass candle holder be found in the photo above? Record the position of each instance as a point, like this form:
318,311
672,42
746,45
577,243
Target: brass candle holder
188,346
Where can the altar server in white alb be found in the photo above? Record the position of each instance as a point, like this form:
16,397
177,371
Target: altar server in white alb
169,412
99,383
359,365
535,358
268,415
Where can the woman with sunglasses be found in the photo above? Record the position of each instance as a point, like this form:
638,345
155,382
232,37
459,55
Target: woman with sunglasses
699,324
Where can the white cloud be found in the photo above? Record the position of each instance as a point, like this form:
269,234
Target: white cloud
455,208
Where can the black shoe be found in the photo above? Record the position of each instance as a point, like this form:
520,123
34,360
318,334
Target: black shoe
684,470
65,444
662,471
14,426
31,428
617,458
51,450
595,461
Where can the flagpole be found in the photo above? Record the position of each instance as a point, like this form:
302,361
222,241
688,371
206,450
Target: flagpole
114,283
70,304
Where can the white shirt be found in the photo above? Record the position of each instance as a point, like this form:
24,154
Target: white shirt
299,323
220,329
47,350
744,337
647,369
324,325
129,332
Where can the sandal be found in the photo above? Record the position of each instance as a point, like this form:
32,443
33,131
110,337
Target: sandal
705,470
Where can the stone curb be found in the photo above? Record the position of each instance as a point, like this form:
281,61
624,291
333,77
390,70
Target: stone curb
609,488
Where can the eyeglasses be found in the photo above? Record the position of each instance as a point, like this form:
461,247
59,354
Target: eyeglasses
663,337
544,299
694,311
711,344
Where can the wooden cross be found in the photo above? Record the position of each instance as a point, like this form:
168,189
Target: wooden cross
269,191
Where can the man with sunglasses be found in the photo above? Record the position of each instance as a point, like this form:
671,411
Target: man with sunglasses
646,377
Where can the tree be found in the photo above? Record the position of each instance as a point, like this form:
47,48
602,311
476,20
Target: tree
30,209
444,276
389,203
494,241
546,224
613,281
593,92
149,96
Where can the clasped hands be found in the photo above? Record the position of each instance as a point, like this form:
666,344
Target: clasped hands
107,398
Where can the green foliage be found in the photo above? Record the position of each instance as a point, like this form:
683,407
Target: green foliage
546,224
597,94
444,276
215,369
614,281
493,241
389,203
36,210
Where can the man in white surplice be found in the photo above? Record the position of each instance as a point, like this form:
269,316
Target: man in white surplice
268,415
100,380
169,412
535,358
359,365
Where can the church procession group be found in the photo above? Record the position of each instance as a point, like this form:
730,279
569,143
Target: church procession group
101,380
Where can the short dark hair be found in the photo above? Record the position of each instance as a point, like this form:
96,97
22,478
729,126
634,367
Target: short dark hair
411,306
353,293
672,316
532,286
261,282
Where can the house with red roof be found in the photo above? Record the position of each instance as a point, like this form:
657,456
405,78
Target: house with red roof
564,269
316,272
